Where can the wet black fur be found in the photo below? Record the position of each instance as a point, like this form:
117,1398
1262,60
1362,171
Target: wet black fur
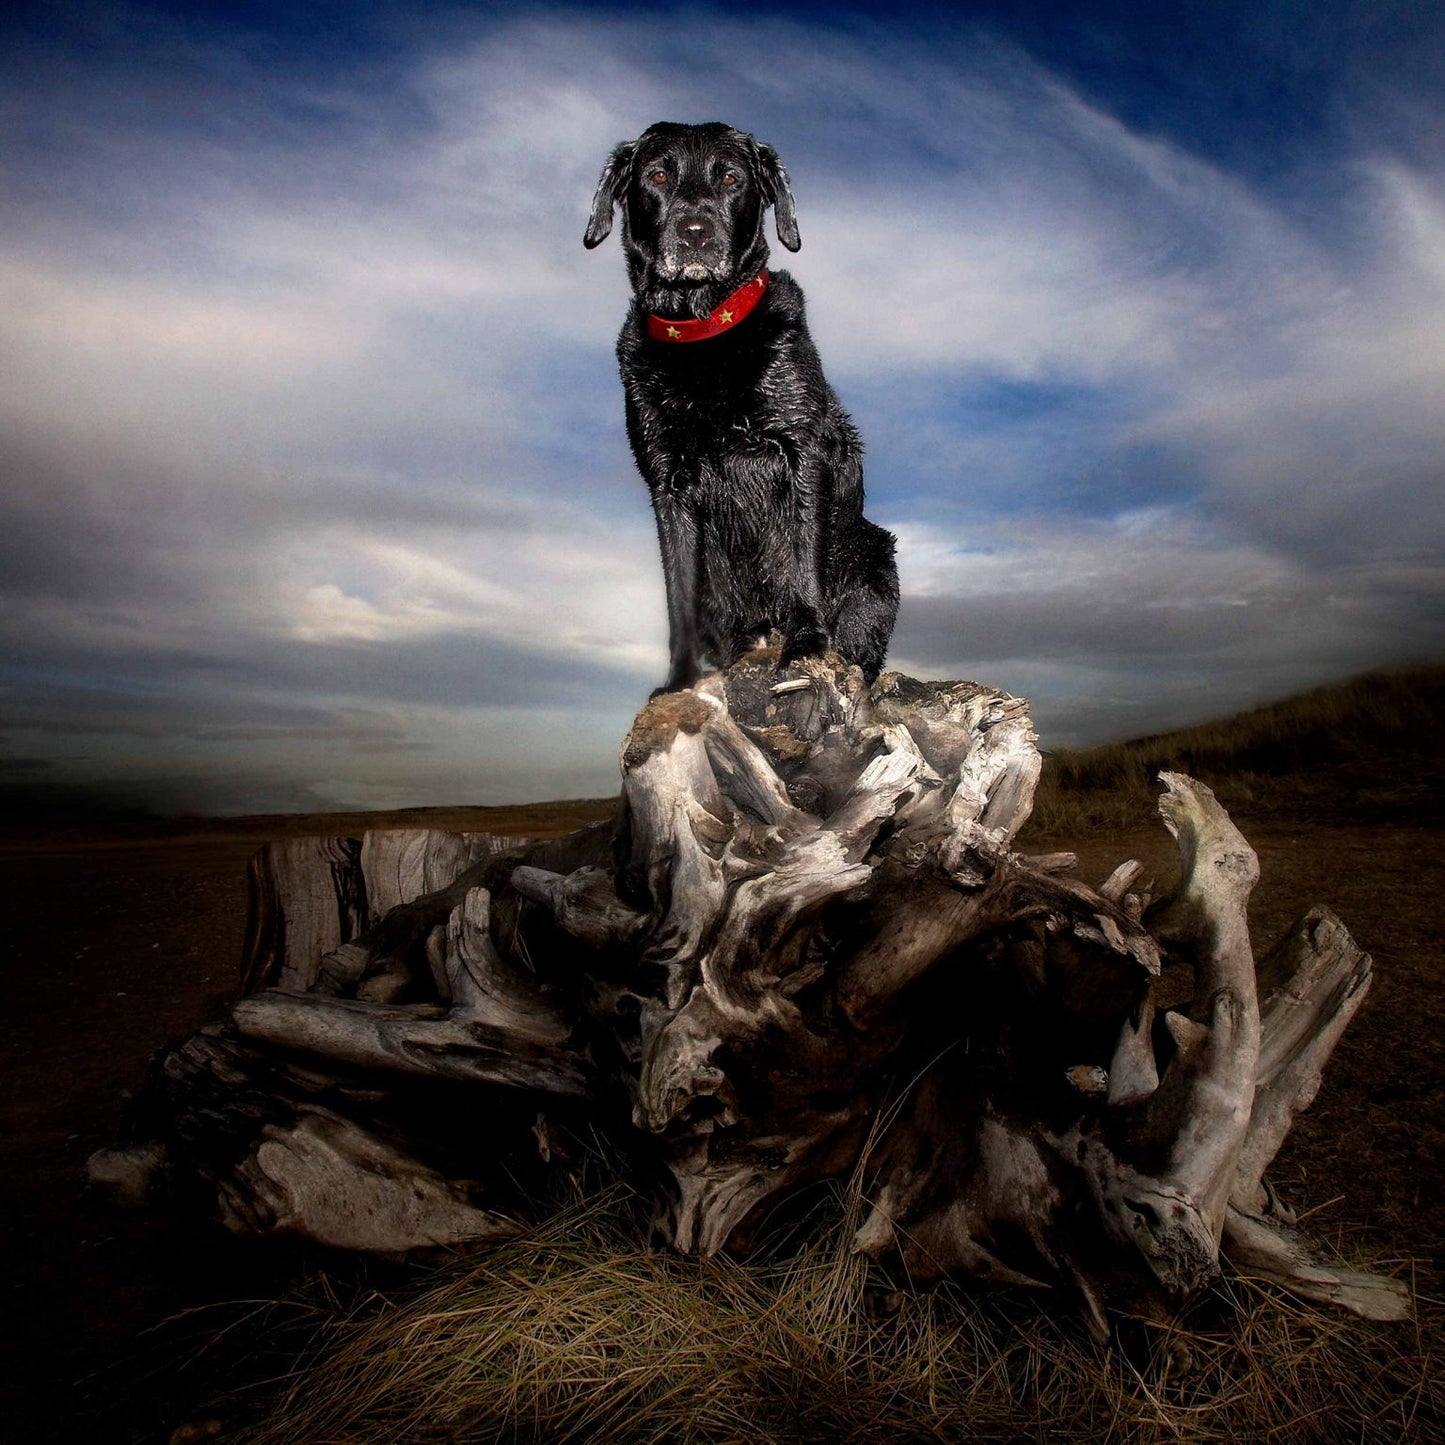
754,467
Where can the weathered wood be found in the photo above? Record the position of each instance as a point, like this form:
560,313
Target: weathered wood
407,1039
805,950
1314,979
330,1181
400,864
1258,1248
269,1146
307,899
497,1025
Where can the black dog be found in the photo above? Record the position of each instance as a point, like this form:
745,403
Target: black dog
754,467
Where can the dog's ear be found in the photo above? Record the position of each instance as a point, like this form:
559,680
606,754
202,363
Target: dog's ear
779,195
610,190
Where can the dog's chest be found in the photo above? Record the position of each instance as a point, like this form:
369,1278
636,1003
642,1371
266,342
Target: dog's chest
701,430
701,402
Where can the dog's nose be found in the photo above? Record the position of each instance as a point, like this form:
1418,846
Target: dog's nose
695,231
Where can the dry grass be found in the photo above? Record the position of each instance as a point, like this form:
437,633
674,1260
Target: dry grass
1368,748
576,1333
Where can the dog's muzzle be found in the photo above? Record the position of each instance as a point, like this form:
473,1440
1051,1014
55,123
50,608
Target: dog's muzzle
696,233
694,250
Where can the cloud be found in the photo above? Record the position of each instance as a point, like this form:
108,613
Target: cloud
314,478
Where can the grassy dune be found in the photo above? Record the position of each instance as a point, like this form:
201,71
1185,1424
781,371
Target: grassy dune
1364,751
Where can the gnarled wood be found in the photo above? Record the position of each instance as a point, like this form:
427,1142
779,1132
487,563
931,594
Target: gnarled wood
806,950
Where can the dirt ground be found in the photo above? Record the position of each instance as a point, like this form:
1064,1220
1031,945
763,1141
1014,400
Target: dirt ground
113,942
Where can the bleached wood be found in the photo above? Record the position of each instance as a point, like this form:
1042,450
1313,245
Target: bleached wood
1121,880
419,1039
1197,1116
1316,979
281,1148
400,864
485,991
584,902
327,1181
1259,1250
307,899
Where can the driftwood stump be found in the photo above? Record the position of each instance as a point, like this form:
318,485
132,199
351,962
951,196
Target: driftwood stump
805,950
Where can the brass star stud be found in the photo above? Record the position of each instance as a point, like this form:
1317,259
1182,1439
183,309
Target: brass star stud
673,332
725,317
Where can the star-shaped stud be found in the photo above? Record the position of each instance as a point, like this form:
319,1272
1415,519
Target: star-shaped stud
725,317
673,332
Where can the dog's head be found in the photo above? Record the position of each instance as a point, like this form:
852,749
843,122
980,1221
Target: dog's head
693,199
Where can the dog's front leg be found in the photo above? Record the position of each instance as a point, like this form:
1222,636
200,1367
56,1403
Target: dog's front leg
677,534
807,633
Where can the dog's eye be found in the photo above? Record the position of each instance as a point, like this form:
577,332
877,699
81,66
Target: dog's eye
658,178
730,178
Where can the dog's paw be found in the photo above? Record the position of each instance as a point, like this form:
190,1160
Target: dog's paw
680,679
804,642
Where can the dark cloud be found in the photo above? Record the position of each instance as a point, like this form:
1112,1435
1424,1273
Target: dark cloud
158,693
1111,624
1124,654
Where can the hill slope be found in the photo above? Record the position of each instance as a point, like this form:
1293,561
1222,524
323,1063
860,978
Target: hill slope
1367,750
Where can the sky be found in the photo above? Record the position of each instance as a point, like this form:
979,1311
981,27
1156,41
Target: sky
314,489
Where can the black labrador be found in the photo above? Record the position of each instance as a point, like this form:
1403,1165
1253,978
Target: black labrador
754,467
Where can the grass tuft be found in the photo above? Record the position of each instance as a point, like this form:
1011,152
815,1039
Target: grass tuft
574,1333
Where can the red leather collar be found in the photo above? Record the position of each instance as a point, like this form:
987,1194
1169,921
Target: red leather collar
724,318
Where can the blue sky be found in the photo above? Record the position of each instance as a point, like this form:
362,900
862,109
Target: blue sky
313,485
